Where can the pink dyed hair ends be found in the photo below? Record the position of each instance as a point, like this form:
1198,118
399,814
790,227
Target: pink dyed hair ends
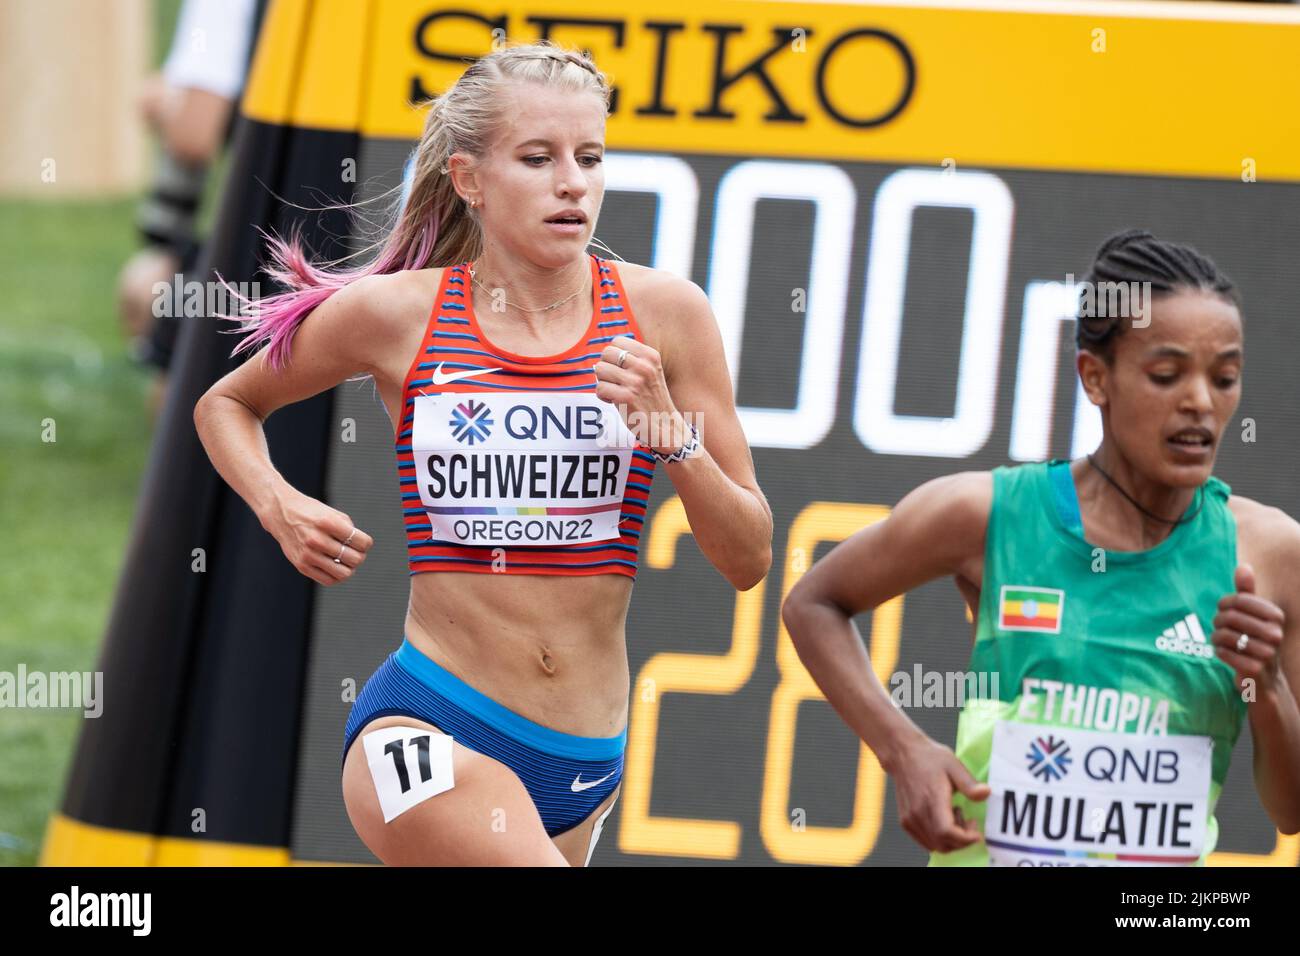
271,322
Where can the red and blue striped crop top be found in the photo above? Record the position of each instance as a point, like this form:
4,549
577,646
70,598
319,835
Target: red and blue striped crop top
509,463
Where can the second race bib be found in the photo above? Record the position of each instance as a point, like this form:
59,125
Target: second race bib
1063,796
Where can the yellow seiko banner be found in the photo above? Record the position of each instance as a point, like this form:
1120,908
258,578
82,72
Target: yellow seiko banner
1182,89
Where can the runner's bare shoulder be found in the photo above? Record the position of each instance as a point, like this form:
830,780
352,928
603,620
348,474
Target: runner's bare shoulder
950,513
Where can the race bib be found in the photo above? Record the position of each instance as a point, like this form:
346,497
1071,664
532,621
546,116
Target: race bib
408,765
1067,797
526,469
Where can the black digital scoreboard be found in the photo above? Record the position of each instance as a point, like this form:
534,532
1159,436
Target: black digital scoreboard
886,206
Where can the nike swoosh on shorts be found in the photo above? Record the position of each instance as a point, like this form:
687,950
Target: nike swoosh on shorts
578,786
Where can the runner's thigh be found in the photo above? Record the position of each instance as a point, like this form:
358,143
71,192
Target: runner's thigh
575,843
486,819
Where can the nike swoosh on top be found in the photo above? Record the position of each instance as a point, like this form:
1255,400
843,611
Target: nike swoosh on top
578,786
441,379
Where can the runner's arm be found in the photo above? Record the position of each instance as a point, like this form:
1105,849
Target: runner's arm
1274,715
730,518
936,530
342,337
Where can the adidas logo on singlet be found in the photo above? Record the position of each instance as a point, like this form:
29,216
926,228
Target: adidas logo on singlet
1185,637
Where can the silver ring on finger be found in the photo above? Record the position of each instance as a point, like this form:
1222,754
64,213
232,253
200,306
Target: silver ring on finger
1242,643
342,548
622,356
348,539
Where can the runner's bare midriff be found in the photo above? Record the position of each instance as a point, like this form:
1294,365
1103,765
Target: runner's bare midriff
549,647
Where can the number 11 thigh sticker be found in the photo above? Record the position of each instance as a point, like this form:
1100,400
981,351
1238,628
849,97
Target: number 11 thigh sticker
408,765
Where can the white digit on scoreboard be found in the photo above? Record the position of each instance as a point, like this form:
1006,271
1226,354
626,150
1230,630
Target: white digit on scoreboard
1047,306
677,191
834,201
874,418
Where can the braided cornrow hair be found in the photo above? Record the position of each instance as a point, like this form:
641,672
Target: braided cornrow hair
1137,256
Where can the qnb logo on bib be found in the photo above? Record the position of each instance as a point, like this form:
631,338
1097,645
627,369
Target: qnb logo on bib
1122,800
520,469
1049,758
471,421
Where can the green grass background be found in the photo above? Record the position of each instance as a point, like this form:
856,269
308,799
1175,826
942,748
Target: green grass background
66,505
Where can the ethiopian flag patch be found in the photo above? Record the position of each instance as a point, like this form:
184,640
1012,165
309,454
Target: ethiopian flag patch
1030,609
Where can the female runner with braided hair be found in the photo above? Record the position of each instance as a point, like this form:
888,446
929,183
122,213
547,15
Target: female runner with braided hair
533,390
1134,612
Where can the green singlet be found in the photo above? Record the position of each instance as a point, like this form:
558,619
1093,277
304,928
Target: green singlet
1107,735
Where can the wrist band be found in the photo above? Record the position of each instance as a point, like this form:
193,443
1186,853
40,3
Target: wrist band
688,450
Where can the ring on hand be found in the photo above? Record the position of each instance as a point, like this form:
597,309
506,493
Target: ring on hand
1242,643
622,357
342,548
348,539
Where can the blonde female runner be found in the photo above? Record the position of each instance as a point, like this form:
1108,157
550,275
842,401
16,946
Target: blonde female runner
533,390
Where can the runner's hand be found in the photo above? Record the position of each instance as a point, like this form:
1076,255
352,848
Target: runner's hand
640,392
1262,621
928,773
311,533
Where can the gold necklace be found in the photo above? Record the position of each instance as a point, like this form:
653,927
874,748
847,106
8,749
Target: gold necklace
546,308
